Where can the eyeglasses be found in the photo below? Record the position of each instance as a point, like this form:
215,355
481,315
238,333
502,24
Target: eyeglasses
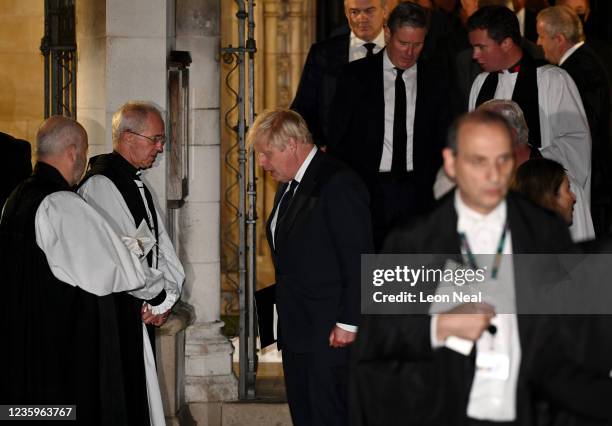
155,139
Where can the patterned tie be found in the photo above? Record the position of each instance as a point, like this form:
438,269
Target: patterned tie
398,162
284,204
370,49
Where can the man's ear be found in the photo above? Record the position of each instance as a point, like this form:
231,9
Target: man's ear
291,145
71,153
449,162
506,44
387,33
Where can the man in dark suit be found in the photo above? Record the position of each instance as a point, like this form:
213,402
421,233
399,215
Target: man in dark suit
389,119
326,59
318,228
16,164
561,35
527,20
432,370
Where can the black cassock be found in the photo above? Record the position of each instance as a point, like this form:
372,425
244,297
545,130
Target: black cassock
58,340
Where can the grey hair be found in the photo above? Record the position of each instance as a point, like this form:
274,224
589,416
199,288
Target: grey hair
132,117
383,3
56,134
562,20
276,127
513,114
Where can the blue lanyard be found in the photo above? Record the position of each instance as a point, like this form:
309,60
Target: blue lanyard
465,246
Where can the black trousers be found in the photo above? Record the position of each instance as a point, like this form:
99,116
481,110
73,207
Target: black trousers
317,385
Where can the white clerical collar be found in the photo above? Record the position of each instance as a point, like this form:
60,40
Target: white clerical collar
388,66
379,41
300,173
569,52
468,218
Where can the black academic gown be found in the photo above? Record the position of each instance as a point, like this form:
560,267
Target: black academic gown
398,379
57,337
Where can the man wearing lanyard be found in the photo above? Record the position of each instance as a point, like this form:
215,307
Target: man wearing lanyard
457,368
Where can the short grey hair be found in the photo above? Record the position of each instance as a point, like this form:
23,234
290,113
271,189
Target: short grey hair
383,3
562,20
276,127
513,114
132,117
56,134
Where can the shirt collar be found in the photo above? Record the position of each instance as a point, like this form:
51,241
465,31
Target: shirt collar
569,52
468,219
302,170
379,40
388,66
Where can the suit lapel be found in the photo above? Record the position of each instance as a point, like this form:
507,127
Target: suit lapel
279,193
378,103
300,202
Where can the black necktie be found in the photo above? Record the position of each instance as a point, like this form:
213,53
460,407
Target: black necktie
284,204
398,163
370,49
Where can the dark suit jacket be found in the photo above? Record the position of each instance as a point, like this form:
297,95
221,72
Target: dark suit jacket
318,84
358,120
398,379
590,77
317,254
15,166
531,32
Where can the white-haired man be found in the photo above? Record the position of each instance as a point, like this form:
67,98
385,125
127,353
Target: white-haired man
562,38
113,187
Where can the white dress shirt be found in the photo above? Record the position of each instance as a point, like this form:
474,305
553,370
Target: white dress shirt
410,80
356,49
492,399
564,131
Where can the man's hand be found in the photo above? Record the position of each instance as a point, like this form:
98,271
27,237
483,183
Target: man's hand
149,317
467,321
339,338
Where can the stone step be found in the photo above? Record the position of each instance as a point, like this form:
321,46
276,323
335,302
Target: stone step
252,413
255,414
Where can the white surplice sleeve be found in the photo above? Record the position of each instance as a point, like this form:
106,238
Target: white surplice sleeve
564,126
82,249
566,139
103,195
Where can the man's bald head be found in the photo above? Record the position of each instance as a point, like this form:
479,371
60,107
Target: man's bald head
56,134
62,143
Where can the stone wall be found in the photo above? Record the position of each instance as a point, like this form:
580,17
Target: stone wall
21,67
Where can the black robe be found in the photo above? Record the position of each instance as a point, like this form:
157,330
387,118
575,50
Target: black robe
128,307
58,338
